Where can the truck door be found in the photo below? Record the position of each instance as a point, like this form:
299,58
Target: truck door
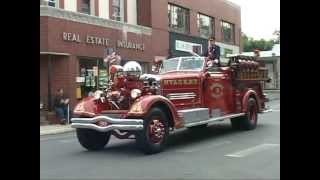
218,96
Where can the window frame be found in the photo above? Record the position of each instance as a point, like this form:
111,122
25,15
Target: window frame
89,7
186,29
56,3
232,39
212,25
121,14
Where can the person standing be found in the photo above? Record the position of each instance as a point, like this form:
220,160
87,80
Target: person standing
61,103
113,59
213,51
257,53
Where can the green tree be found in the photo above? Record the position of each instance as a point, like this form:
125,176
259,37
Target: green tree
249,44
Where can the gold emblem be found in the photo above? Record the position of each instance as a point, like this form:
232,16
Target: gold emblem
217,90
179,82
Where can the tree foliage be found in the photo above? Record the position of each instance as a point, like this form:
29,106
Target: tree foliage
249,44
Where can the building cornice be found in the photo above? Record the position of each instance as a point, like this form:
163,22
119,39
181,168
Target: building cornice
92,20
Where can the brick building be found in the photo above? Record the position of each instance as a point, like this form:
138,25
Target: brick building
75,36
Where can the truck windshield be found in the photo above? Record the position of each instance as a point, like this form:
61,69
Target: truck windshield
182,64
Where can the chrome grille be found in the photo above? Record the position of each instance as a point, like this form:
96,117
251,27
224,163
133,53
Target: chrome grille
175,96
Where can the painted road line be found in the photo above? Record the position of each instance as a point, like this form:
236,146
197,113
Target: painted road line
255,149
214,145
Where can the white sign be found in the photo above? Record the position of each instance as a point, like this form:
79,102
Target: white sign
95,70
80,79
185,46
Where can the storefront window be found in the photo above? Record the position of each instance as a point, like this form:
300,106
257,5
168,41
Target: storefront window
227,32
205,25
94,74
116,10
178,18
85,6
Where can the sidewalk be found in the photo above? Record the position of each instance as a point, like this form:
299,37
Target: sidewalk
55,129
272,94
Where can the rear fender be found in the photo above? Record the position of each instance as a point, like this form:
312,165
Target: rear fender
250,93
142,106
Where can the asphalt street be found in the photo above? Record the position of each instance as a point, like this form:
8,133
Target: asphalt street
218,152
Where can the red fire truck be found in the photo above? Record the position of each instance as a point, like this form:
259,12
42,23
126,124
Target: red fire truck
186,92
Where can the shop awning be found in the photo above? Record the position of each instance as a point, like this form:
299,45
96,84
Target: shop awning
55,53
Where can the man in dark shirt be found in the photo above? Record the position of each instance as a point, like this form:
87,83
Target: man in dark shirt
213,52
61,105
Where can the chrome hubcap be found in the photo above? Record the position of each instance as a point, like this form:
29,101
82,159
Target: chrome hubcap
156,131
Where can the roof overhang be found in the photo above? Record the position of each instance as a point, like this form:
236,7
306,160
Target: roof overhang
54,53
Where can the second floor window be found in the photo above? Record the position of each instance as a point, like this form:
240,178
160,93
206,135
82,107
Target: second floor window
116,10
227,32
205,26
178,18
85,6
53,3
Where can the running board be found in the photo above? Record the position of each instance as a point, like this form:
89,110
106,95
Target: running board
214,119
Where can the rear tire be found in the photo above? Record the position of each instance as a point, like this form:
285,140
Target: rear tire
249,120
92,140
153,138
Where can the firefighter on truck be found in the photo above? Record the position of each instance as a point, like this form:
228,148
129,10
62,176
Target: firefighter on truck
185,93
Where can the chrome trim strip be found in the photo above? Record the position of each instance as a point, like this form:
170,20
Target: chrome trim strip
107,119
192,110
107,128
114,123
183,95
174,96
214,119
178,98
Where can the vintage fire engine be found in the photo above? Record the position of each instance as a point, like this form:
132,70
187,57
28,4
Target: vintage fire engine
186,93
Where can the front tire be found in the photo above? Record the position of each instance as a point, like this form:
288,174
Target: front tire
92,140
153,138
248,121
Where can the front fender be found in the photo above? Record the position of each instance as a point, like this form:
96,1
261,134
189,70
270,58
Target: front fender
142,106
245,99
87,108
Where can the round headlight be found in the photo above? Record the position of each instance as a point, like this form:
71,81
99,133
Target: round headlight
135,93
97,94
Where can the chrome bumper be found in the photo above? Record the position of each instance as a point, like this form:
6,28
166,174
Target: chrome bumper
113,123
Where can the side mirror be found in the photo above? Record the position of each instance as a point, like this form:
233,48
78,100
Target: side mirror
154,68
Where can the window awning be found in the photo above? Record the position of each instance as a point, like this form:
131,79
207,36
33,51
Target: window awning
55,53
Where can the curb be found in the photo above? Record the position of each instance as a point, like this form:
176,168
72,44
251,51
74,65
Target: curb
56,131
